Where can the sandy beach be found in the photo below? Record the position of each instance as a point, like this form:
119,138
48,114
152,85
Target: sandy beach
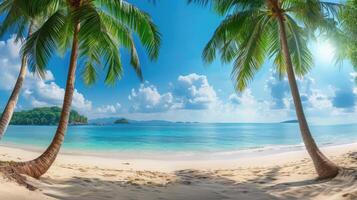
288,175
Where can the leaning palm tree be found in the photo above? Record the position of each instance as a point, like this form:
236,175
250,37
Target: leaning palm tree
256,29
95,30
18,19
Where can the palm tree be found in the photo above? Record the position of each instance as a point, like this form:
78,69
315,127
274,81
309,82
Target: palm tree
96,29
256,29
17,19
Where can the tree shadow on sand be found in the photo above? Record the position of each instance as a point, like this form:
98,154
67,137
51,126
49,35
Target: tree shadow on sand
207,185
190,185
343,186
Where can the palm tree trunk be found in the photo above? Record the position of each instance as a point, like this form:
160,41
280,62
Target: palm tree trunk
11,103
39,166
323,166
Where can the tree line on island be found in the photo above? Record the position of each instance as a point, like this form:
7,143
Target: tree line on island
121,121
45,116
93,32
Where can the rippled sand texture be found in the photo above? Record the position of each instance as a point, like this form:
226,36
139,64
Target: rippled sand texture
73,178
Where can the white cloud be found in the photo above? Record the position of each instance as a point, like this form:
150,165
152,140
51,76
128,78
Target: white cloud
246,99
108,109
9,63
194,92
311,96
45,92
319,101
193,98
148,99
190,92
11,49
279,92
38,92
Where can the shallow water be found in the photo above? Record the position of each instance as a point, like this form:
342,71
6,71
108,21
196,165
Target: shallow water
208,138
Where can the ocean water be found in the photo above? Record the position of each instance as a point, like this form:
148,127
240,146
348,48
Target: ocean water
165,138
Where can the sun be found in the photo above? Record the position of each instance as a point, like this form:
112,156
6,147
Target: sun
325,51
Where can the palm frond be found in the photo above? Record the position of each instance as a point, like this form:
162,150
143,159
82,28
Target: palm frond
105,27
345,38
140,22
65,40
314,14
232,26
252,54
14,21
300,53
41,45
123,35
97,44
229,6
5,6
275,49
89,73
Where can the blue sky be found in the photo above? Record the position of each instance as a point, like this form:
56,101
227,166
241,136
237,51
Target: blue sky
179,87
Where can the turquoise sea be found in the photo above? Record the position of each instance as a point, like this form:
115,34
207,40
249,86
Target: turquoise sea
183,138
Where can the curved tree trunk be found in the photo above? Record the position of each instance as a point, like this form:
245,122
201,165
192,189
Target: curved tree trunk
11,103
39,166
324,167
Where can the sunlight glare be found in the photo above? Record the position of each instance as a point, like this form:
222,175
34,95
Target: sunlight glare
325,51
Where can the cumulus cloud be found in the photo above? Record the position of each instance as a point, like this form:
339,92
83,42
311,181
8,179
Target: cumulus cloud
148,99
9,63
318,100
12,49
344,99
246,99
108,109
194,92
47,93
189,92
191,96
311,97
38,92
279,90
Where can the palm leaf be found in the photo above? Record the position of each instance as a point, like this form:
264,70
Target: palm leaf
232,26
43,43
251,54
140,22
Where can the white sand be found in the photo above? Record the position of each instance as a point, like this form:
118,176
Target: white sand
260,176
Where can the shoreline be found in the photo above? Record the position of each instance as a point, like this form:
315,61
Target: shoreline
167,163
268,150
279,176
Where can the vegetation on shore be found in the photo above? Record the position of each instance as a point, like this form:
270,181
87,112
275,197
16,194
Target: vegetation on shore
121,121
45,116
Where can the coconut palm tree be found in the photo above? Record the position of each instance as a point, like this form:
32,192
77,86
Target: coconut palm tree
18,19
95,30
254,30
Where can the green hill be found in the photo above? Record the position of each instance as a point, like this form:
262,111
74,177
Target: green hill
45,116
121,121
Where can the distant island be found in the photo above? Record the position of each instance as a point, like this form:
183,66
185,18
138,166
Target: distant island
121,121
290,121
45,116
